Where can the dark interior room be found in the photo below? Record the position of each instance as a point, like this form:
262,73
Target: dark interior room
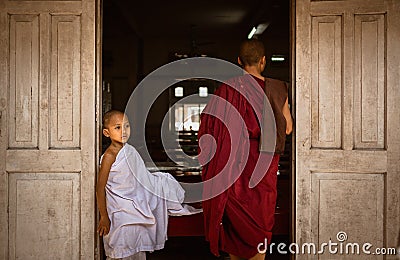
139,37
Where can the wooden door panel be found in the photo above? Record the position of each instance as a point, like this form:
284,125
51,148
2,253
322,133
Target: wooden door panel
44,215
47,129
24,81
345,202
326,51
369,81
347,74
65,94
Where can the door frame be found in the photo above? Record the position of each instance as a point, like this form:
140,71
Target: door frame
98,254
292,39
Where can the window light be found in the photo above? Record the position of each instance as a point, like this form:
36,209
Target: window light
179,92
275,57
203,91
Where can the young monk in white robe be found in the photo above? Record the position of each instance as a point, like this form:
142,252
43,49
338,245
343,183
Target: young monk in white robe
134,204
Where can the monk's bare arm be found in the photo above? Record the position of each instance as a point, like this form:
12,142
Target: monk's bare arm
288,117
104,224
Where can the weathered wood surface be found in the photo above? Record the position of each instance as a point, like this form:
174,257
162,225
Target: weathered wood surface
47,129
347,123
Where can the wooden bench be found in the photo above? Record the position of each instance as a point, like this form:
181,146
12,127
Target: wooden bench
193,225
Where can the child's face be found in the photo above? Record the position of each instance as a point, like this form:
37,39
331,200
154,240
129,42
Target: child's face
118,129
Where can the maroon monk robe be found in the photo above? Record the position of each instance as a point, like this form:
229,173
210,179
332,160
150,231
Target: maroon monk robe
240,218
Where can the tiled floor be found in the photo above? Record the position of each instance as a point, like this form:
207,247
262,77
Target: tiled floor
196,248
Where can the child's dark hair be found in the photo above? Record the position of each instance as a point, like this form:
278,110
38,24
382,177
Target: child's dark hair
107,116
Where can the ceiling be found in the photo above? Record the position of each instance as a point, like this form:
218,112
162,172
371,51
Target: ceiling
201,19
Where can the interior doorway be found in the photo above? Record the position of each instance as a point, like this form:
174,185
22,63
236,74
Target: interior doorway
130,52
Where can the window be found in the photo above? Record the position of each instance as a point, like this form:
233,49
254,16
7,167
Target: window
188,98
203,91
179,92
187,116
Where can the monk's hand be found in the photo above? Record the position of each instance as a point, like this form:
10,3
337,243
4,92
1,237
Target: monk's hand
104,226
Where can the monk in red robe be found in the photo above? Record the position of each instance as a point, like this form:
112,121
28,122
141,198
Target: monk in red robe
239,166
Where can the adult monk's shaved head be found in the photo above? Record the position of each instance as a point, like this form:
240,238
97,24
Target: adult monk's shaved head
251,51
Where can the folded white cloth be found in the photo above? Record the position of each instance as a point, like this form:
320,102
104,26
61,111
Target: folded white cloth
138,204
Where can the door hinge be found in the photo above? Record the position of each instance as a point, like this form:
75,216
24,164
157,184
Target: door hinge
96,253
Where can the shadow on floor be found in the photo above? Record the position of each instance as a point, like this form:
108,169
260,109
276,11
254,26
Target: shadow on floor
196,248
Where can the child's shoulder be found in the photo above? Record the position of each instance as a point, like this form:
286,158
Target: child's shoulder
109,155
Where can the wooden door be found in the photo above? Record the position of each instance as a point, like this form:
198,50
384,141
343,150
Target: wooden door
48,129
347,123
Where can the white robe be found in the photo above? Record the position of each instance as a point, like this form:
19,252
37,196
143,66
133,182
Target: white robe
138,204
